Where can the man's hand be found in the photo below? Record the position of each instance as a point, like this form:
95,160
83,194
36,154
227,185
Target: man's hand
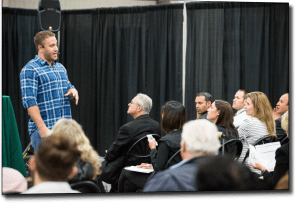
72,93
152,143
276,115
44,132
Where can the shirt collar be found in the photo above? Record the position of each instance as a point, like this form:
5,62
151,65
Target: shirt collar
240,111
179,164
43,62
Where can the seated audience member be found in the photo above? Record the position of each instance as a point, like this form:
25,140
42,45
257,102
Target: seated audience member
222,173
139,108
281,107
53,165
260,123
203,102
12,181
199,139
88,164
238,104
173,118
281,157
221,114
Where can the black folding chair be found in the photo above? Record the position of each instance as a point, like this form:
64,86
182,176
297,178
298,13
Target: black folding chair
263,140
232,148
86,187
27,154
174,159
285,140
139,152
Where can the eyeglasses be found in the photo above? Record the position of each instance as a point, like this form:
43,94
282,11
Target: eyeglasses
131,103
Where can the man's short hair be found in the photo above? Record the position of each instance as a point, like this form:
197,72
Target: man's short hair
206,95
56,157
245,93
200,136
40,37
223,173
145,102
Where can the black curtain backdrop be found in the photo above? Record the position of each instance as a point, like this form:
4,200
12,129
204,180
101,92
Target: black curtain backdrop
114,53
236,45
19,26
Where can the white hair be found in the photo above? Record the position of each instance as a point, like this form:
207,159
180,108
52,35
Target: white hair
200,136
145,102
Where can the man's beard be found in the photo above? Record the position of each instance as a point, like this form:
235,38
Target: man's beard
48,57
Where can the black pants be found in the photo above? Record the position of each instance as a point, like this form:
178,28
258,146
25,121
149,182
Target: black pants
131,181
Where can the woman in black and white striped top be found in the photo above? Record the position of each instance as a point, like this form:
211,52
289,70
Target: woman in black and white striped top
260,124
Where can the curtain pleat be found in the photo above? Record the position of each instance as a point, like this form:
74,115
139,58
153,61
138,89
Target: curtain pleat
236,45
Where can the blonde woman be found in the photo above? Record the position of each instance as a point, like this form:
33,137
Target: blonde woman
260,124
88,165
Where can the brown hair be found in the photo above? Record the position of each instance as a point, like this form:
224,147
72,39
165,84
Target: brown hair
56,157
40,37
173,116
225,118
263,111
245,93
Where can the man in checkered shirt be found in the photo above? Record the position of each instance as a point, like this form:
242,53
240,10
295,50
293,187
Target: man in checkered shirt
46,89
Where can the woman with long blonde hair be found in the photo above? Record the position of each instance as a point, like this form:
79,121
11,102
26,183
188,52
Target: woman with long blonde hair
88,165
260,124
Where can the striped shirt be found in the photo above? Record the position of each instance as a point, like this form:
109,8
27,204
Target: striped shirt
45,87
250,131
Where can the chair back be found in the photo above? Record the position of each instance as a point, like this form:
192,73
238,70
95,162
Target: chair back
174,159
139,152
232,148
285,140
263,140
86,187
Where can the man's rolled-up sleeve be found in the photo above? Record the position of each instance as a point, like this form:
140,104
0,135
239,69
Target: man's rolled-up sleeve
29,86
68,82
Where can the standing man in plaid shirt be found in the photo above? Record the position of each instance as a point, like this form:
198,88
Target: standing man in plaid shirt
46,89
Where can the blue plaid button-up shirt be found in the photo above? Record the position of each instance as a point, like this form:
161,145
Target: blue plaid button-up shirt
45,87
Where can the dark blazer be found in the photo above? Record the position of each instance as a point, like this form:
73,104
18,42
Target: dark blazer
281,166
167,146
203,116
130,133
231,134
181,178
281,134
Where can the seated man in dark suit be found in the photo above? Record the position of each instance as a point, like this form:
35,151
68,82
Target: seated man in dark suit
129,133
203,101
281,107
199,139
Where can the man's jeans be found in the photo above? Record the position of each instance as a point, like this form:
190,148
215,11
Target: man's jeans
35,139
